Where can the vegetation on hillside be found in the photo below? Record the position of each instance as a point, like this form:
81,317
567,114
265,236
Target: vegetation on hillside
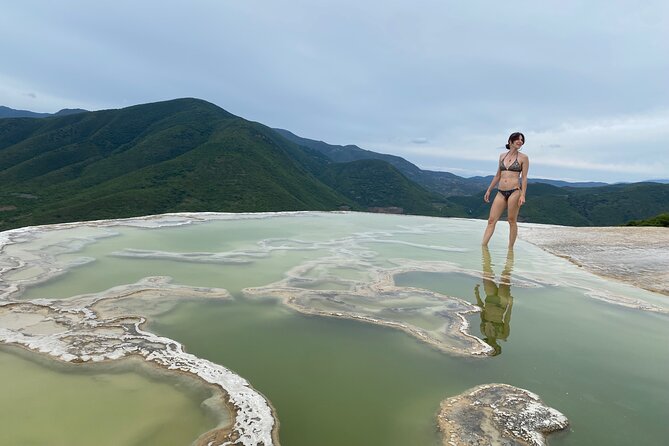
182,155
659,220
443,183
173,156
599,206
190,155
375,184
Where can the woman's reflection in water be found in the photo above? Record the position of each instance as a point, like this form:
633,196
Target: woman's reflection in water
496,309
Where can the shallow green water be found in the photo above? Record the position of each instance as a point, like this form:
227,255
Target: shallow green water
332,381
337,381
47,404
322,374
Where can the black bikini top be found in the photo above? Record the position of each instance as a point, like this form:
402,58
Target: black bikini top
514,167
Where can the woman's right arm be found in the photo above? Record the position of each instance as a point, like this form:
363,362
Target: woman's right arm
494,181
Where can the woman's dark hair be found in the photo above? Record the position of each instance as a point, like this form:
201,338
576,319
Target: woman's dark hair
514,136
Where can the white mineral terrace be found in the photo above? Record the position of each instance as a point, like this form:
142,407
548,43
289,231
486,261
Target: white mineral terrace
107,325
635,255
347,281
437,319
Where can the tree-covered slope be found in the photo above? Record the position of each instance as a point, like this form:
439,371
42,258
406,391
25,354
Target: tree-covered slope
181,155
375,183
658,220
444,183
190,155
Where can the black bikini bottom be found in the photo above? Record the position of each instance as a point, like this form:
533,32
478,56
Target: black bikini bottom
507,193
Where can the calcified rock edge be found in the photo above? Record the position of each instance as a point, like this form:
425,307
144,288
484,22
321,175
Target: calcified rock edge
497,414
104,326
433,318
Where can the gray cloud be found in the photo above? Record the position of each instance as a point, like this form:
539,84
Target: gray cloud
463,75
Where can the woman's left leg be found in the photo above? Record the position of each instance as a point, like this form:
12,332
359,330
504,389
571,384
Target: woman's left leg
512,217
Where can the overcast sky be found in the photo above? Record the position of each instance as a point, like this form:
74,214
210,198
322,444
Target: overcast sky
441,83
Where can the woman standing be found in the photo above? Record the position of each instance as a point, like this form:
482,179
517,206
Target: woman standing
512,178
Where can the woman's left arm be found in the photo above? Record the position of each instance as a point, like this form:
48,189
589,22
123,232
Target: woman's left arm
523,186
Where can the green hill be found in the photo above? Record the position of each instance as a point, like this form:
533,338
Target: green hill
443,183
190,155
181,155
173,156
659,220
377,184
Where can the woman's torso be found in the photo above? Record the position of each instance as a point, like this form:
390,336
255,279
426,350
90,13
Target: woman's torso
510,166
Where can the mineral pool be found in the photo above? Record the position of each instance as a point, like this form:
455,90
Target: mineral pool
328,328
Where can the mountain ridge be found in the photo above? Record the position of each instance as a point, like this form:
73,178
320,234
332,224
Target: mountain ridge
6,112
180,155
188,154
351,152
175,155
445,183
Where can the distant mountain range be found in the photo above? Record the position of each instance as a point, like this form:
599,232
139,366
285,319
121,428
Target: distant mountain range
557,183
190,155
6,112
445,183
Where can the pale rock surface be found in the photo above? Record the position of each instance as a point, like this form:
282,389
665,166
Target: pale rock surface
635,255
497,414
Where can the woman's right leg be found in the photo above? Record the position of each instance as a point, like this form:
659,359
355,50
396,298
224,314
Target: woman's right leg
498,206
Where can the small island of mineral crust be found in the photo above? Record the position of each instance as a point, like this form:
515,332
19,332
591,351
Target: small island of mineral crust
497,414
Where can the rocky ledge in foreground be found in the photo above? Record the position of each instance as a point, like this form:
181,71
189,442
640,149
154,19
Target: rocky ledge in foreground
497,414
